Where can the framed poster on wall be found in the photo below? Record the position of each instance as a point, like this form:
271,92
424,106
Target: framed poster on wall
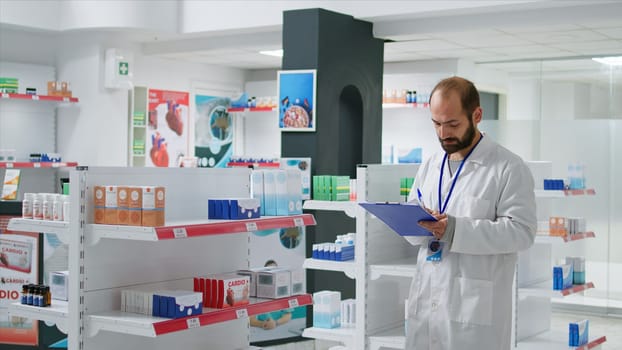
168,128
297,99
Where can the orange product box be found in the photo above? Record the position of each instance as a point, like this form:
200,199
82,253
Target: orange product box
110,211
123,205
154,199
99,202
557,226
135,206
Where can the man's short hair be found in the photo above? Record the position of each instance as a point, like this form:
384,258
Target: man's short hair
469,97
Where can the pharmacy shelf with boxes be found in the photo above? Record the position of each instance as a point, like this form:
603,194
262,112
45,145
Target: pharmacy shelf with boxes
540,276
383,261
163,296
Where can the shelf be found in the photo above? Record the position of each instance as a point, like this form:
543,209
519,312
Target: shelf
56,313
393,339
251,109
555,340
347,267
398,268
545,289
254,165
563,193
567,238
198,229
342,335
349,207
147,326
405,105
39,98
28,165
61,228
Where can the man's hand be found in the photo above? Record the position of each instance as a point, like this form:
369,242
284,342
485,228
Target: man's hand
436,227
269,324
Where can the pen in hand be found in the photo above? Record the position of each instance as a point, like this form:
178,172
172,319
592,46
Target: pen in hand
420,198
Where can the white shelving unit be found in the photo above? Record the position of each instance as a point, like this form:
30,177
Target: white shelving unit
534,281
104,259
382,267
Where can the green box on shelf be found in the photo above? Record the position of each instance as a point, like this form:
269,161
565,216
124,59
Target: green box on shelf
406,184
340,188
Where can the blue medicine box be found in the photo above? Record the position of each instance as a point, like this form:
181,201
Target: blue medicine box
177,304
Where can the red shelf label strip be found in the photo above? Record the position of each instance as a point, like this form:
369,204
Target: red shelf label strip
37,164
577,288
223,315
237,226
578,236
40,97
593,343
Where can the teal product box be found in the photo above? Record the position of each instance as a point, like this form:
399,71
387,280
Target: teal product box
578,333
257,189
269,192
177,304
303,165
327,309
294,196
282,196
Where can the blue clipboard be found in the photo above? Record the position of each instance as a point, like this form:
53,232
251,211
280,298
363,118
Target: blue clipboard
401,218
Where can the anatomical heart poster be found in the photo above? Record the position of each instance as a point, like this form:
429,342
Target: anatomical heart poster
167,128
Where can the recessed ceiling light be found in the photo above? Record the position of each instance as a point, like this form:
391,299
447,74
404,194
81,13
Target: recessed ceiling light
610,61
276,53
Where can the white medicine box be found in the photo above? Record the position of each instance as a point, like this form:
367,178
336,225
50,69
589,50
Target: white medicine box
274,283
59,283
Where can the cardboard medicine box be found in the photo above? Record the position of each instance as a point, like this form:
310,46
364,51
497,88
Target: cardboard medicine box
135,206
274,283
123,205
99,201
153,206
110,211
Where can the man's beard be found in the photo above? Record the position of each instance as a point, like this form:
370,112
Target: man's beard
459,144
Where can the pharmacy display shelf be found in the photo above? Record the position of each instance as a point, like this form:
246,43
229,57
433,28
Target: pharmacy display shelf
55,313
556,340
36,165
564,193
60,228
545,289
349,207
405,105
39,98
392,339
566,238
251,109
347,267
344,335
148,326
196,229
398,268
274,165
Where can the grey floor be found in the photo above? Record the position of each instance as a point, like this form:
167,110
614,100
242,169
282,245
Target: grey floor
608,326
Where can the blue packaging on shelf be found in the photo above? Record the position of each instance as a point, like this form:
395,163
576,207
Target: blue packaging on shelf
578,333
562,277
244,208
177,304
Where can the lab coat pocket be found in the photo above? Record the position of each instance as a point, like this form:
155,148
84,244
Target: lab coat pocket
471,301
472,207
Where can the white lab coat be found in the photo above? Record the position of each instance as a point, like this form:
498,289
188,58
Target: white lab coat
465,301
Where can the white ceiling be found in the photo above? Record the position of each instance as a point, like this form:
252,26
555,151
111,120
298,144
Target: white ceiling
512,38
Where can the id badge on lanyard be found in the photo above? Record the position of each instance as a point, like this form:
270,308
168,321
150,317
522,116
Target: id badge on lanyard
435,250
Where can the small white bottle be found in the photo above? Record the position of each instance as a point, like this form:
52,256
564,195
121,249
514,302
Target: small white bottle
66,207
27,205
37,207
57,208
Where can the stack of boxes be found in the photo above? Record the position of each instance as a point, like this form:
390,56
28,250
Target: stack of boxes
562,276
9,85
278,191
169,304
233,209
331,188
327,309
129,205
561,226
578,333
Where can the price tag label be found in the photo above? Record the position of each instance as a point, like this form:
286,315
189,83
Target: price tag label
65,99
9,165
180,232
293,303
35,97
5,95
299,222
241,313
56,165
36,165
193,323
251,226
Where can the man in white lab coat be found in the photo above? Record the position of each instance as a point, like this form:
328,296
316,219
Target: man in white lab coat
483,198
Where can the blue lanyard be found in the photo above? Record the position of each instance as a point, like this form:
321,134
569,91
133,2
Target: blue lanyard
443,207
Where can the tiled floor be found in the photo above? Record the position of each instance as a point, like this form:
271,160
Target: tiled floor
608,326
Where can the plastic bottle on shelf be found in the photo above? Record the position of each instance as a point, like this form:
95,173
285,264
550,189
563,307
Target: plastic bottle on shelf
57,208
47,206
37,207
